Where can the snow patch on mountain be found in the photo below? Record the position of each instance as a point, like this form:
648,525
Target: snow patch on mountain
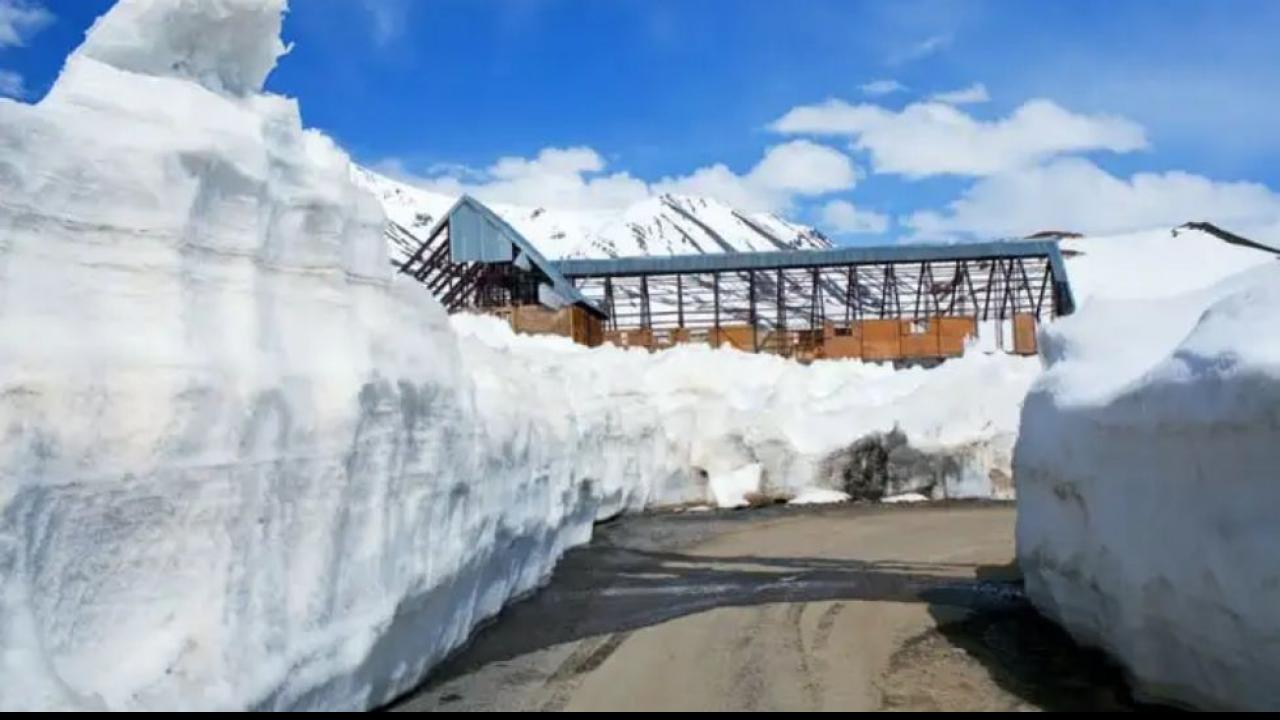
662,225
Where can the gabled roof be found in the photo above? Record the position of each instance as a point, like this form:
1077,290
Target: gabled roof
478,234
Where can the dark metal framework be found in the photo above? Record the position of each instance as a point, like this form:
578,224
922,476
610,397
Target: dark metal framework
459,285
805,296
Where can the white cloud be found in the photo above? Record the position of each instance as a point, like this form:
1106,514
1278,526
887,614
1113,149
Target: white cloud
1077,195
11,84
975,93
931,138
564,178
575,179
804,168
841,217
19,20
921,50
796,168
876,88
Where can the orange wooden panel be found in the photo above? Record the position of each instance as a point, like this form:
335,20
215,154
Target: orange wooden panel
737,336
1024,334
919,339
881,339
953,331
629,338
842,346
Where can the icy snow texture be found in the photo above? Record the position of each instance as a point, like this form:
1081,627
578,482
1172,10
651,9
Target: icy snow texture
225,45
241,466
724,410
1147,479
819,496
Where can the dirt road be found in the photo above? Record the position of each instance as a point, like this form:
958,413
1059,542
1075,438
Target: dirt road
836,608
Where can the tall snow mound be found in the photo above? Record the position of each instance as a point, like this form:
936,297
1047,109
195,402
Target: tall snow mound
225,45
1148,488
242,466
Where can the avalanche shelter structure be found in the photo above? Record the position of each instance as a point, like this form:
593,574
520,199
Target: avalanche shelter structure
473,260
898,303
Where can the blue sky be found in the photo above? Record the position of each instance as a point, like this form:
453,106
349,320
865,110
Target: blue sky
1140,112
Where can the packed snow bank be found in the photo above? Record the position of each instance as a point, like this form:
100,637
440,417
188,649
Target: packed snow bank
241,466
760,425
1152,264
819,496
1148,488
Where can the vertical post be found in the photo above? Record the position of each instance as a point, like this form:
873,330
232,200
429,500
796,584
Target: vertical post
715,302
645,319
1026,284
780,333
680,301
884,289
920,291
973,293
897,296
991,281
751,312
608,303
815,296
849,289
1044,284
857,292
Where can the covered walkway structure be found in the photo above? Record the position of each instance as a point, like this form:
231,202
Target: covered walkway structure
901,302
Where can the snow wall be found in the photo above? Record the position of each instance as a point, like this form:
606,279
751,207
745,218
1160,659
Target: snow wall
1148,483
242,466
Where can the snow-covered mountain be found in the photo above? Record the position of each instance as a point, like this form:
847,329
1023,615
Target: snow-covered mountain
662,225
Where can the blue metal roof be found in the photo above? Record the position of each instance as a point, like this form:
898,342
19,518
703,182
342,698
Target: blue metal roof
905,253
478,234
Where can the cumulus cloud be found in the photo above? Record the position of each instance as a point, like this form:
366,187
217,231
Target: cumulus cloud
575,178
842,217
876,88
796,168
1075,194
568,178
975,93
11,84
20,20
933,138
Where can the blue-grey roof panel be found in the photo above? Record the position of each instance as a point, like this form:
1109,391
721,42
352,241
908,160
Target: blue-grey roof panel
477,234
726,262
473,237
654,265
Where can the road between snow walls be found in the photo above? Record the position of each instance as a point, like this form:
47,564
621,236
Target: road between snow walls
241,466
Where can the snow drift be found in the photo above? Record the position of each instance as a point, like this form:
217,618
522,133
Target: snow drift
1147,485
747,425
242,466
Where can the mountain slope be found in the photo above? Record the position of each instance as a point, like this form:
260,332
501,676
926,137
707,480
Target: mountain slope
661,225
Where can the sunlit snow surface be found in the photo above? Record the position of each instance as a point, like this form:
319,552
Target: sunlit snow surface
244,466
1148,469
